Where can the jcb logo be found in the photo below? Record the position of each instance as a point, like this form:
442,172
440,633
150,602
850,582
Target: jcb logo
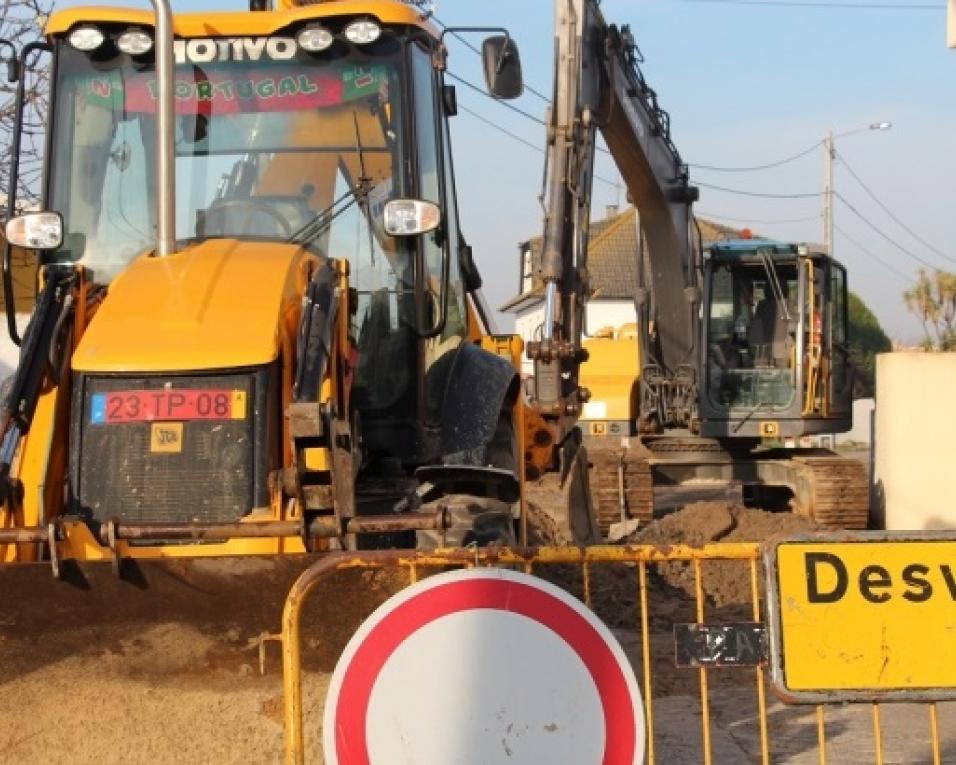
166,437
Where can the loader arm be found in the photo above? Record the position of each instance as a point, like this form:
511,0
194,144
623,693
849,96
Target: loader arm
598,86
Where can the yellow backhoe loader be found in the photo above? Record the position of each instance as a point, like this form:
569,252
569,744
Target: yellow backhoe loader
260,330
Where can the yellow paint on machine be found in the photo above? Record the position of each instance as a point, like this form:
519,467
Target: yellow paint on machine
869,615
223,294
242,22
610,374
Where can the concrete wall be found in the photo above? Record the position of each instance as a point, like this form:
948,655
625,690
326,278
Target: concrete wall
914,478
10,353
610,313
861,432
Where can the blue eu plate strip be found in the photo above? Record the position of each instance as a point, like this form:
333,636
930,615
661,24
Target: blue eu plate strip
98,409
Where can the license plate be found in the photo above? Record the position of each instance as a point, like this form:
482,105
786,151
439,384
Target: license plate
167,404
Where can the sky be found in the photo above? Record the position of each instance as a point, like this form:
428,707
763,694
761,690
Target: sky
746,83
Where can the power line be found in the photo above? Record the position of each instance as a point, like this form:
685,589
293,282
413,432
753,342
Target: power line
866,251
763,194
474,48
830,5
527,115
893,217
500,129
759,167
873,226
757,220
472,86
522,140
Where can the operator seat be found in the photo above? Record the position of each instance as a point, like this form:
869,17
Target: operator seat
769,335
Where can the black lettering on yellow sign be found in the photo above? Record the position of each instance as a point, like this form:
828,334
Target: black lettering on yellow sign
874,582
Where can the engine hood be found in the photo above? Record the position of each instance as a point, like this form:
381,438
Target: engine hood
217,304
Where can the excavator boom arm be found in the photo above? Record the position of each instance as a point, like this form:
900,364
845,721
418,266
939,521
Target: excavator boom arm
599,87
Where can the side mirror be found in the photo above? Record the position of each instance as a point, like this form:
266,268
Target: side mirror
502,67
408,217
36,231
469,270
13,65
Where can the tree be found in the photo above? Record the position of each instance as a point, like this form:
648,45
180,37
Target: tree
866,339
22,22
933,301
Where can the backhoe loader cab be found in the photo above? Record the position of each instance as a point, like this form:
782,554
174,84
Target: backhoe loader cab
775,342
306,361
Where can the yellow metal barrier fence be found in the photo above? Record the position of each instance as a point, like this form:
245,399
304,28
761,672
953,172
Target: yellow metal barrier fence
639,563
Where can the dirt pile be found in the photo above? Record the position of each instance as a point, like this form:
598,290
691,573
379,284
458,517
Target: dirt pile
727,585
724,582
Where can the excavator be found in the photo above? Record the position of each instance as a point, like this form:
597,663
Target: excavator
738,345
260,330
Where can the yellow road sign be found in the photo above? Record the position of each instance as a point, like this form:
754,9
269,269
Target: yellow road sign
860,617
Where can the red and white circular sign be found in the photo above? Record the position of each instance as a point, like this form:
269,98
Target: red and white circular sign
479,667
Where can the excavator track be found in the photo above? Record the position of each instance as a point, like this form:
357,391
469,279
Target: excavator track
622,486
834,491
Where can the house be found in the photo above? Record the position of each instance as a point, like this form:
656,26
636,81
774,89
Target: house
611,265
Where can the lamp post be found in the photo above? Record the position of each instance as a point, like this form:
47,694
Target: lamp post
829,152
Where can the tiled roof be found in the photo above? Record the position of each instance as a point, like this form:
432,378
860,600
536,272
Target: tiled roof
611,253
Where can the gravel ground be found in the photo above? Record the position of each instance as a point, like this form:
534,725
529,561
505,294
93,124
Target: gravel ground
176,679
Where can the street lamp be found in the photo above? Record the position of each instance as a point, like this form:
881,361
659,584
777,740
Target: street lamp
829,151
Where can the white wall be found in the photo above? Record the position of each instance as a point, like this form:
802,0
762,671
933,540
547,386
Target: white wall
914,440
610,313
861,433
10,353
600,314
526,324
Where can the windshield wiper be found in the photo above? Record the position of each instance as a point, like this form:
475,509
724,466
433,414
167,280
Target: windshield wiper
359,193
322,220
751,413
775,286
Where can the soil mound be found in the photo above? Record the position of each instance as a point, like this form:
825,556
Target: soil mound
724,582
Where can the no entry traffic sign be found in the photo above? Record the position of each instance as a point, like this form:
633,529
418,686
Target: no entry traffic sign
479,667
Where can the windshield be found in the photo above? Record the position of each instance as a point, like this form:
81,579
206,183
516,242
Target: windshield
306,149
262,148
751,335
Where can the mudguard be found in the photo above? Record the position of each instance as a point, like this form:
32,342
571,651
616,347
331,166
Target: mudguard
478,386
315,333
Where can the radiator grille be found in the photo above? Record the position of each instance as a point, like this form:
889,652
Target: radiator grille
210,480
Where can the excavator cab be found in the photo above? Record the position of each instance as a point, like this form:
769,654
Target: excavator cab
775,342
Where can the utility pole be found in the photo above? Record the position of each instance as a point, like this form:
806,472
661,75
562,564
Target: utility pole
828,193
951,23
829,154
